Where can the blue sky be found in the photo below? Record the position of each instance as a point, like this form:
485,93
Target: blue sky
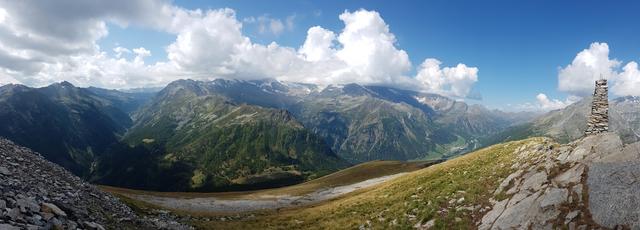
518,47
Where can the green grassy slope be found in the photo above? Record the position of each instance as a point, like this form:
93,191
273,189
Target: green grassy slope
202,142
433,193
351,175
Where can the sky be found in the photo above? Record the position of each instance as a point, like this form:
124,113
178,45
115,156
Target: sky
510,55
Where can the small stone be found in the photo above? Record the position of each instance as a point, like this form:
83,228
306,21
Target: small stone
27,204
535,182
507,181
57,224
52,208
554,197
578,190
72,225
570,216
492,215
460,200
573,175
35,220
93,225
425,226
47,216
517,198
8,227
5,171
14,214
3,205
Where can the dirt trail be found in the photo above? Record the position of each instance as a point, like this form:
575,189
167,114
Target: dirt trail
213,204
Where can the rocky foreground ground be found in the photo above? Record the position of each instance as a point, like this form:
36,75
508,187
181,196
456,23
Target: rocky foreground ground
591,183
37,194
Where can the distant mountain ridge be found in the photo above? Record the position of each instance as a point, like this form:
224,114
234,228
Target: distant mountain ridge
569,123
363,123
210,142
210,135
70,126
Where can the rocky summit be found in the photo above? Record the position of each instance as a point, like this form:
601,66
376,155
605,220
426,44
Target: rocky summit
37,194
591,183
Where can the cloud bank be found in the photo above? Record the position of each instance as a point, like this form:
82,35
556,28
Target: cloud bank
45,42
577,79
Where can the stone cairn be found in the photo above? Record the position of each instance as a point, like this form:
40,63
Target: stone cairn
598,121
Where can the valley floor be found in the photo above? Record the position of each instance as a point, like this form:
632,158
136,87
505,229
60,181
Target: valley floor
325,188
260,202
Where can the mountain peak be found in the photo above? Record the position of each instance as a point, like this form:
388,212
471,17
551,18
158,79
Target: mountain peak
61,84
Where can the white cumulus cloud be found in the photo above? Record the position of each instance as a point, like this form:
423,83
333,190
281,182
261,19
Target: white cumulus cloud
627,82
589,65
544,103
120,51
319,44
368,47
454,81
45,42
269,25
593,63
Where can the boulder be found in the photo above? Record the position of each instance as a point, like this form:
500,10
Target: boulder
52,208
4,170
553,197
27,205
571,176
8,227
535,181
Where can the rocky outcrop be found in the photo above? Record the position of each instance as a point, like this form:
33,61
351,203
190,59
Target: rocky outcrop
589,183
37,194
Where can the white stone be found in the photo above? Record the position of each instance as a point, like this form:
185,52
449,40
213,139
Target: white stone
553,197
491,216
507,181
425,226
573,175
535,182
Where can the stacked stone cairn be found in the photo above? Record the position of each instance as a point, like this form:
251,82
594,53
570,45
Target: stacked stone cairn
598,121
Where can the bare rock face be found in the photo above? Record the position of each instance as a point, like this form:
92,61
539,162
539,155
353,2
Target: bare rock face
538,200
590,183
614,185
37,194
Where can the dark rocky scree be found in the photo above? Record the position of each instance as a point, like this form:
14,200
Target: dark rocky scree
37,194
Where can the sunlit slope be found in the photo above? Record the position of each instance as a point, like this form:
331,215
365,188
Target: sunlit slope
351,175
453,194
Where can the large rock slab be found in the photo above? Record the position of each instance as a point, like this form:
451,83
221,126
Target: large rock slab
614,193
554,197
571,176
594,148
630,152
520,215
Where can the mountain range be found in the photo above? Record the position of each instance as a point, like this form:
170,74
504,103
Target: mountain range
569,123
233,134
70,126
